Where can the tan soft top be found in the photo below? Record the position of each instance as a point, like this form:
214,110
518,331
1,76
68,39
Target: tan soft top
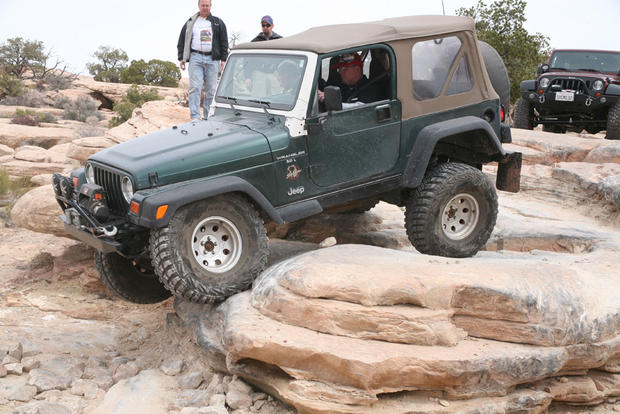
324,39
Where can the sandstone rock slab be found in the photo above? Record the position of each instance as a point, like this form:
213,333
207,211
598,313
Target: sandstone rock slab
37,210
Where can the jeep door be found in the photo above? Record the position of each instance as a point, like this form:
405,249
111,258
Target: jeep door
361,142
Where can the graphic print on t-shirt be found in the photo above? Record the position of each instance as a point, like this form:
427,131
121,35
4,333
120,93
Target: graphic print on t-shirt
205,35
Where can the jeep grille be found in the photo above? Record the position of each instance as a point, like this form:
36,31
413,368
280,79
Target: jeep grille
111,183
577,85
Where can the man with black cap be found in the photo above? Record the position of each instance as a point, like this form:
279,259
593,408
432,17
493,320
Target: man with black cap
267,30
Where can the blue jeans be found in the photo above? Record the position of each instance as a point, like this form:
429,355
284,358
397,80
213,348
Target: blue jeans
202,69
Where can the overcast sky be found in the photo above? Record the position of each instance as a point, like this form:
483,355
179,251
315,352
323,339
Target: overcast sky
74,29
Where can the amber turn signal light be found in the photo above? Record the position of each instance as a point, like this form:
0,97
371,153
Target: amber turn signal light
134,207
161,211
75,182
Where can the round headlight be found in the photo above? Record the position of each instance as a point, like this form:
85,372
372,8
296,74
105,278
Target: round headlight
543,82
89,172
127,188
598,85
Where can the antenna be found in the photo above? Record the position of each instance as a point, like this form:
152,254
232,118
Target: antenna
443,7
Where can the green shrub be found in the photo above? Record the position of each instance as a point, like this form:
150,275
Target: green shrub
80,109
40,116
155,72
111,63
13,188
132,99
10,85
27,120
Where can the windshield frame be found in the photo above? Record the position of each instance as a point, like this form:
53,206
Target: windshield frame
580,68
256,101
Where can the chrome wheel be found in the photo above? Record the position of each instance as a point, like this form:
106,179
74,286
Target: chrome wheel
216,244
460,217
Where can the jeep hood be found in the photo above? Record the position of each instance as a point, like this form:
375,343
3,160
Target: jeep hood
188,151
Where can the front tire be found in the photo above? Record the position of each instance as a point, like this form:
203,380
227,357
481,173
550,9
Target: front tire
132,280
613,122
211,249
523,113
453,211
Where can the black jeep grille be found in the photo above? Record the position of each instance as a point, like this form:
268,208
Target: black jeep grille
578,85
111,183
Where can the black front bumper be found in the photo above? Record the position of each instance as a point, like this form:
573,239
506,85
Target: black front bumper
583,110
104,245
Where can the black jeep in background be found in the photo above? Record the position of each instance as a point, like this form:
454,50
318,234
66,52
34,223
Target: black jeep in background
576,90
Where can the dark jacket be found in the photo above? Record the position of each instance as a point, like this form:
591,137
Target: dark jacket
363,91
261,36
219,43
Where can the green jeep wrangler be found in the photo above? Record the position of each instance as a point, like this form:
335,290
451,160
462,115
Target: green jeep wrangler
182,210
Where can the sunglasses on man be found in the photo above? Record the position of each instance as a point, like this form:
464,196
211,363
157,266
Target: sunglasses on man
265,25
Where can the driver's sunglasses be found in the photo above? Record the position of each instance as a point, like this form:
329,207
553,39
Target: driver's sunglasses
266,25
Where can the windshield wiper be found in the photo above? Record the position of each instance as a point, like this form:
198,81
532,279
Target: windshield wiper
267,103
587,70
230,98
551,69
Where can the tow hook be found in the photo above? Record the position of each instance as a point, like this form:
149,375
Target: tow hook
109,233
541,99
588,101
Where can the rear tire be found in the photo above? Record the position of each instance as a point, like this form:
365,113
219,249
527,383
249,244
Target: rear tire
613,122
523,113
211,249
132,280
453,211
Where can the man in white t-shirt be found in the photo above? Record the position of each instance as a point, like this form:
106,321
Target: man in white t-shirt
203,43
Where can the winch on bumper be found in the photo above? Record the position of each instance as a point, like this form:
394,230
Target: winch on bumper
86,215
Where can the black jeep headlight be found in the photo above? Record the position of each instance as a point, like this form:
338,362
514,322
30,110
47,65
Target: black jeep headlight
127,188
543,82
89,172
598,85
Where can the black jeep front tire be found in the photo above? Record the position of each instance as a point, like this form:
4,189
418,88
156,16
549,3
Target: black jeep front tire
211,249
132,280
453,211
613,122
523,112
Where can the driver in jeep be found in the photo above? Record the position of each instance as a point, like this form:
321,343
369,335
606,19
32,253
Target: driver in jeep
356,89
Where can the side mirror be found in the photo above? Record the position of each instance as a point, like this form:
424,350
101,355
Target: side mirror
542,68
333,98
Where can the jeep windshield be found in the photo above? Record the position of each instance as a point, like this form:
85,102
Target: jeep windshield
585,60
262,80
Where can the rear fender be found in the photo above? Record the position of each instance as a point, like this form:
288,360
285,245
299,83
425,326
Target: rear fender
468,139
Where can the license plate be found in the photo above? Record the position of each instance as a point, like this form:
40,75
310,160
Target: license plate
565,96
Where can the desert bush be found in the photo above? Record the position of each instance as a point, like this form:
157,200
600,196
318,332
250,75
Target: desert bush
80,109
57,81
132,99
31,98
39,116
13,188
90,129
111,63
10,85
155,72
28,120
62,102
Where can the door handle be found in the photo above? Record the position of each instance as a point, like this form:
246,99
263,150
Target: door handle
384,112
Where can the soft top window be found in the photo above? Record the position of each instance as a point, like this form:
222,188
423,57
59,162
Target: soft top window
432,61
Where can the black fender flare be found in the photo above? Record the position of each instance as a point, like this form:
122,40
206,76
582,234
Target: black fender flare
180,196
429,136
613,90
527,86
